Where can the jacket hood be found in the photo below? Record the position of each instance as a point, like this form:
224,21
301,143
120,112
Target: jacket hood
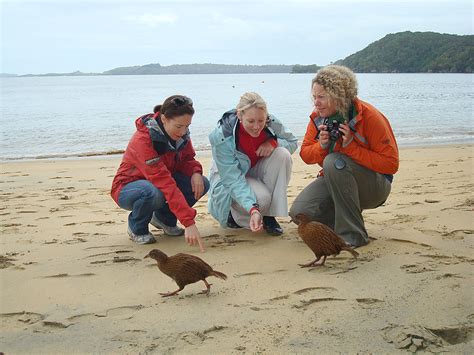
228,122
161,141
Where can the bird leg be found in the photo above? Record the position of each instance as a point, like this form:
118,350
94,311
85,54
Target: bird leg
208,288
167,294
313,263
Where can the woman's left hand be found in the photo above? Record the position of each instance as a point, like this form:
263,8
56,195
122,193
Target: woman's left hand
346,133
197,185
265,149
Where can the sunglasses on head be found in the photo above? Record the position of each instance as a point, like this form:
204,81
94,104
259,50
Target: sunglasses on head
181,101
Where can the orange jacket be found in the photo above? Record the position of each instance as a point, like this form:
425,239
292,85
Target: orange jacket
373,145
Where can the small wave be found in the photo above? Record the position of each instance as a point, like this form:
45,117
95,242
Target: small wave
63,156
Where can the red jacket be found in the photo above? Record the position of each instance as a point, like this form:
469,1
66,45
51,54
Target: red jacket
373,145
150,156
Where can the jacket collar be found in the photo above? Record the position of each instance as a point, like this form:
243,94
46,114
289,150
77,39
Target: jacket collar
160,139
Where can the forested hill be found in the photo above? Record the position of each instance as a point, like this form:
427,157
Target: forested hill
207,68
415,52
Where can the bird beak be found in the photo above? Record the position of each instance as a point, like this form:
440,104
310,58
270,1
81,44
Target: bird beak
146,256
294,221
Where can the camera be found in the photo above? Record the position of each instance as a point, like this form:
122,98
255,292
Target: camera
332,126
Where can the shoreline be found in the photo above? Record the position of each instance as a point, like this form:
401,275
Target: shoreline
201,152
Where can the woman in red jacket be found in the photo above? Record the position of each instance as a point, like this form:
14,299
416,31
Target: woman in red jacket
159,178
354,144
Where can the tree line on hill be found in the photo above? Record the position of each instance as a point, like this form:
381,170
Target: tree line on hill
403,52
415,52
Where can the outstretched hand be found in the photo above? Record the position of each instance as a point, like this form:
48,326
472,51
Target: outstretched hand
193,237
256,222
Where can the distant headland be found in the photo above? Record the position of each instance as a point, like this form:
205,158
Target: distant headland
402,52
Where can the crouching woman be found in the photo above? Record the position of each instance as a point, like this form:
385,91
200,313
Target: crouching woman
159,178
251,167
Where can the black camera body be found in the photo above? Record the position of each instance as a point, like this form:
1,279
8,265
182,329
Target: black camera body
332,126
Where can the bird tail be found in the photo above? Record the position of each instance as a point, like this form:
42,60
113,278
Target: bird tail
219,274
353,252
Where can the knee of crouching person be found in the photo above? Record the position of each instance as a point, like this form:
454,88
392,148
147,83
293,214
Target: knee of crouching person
282,154
329,163
295,209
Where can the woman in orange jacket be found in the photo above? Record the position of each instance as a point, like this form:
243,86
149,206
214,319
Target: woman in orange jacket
354,144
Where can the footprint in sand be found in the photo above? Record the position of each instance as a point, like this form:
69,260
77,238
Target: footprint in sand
305,303
6,261
408,242
226,240
19,319
247,274
417,268
368,300
68,275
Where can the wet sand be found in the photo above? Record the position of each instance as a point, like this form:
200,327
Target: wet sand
72,281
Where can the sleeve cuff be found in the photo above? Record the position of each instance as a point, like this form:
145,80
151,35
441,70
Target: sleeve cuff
347,144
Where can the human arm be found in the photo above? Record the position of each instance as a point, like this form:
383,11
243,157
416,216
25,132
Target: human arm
193,237
266,148
152,167
380,154
285,138
314,147
256,220
230,166
189,166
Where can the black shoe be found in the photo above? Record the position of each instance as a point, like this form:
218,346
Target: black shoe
231,223
271,226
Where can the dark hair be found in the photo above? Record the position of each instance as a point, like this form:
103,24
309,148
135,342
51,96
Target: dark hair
176,105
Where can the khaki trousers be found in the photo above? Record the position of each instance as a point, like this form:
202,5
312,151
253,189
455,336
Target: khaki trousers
338,198
269,180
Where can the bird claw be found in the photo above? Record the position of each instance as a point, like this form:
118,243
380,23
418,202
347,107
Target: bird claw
206,291
168,294
313,264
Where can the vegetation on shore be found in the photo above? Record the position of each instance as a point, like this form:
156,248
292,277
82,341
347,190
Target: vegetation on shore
403,52
415,52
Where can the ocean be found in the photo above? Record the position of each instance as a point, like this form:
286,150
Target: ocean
57,117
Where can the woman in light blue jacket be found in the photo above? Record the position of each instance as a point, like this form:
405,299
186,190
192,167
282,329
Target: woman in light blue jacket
251,167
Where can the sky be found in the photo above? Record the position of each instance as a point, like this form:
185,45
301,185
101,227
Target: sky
61,36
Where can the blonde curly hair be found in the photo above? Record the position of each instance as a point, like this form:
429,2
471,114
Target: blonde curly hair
341,85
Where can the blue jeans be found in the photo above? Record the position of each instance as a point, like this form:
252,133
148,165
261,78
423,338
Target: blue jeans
143,199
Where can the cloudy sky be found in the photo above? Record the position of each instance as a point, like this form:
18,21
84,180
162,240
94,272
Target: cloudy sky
94,36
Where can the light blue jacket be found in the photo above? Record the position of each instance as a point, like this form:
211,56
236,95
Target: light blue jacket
229,165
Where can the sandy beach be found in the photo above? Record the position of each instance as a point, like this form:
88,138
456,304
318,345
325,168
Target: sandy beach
72,281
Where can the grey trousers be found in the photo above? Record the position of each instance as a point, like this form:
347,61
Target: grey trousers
269,180
338,198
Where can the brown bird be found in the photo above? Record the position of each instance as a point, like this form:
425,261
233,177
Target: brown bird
321,239
185,269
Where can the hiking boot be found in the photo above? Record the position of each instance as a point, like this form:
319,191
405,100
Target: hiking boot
231,223
271,226
173,231
141,238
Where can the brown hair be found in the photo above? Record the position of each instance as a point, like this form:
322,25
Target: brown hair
176,105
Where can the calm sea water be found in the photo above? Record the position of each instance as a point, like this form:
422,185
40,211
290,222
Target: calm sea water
68,116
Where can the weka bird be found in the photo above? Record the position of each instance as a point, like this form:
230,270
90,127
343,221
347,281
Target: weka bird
185,269
321,239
